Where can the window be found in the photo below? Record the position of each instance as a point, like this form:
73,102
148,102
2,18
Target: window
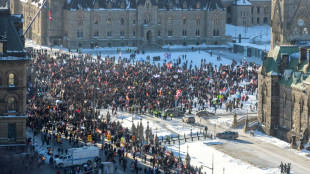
197,32
134,21
252,20
184,33
11,104
109,21
197,21
96,34
134,33
214,32
0,80
12,79
257,20
80,20
252,10
147,5
122,21
265,20
158,33
159,20
109,34
258,10
11,130
184,20
169,32
229,9
122,33
265,10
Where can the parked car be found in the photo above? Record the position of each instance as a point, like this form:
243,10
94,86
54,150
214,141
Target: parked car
227,135
205,114
188,119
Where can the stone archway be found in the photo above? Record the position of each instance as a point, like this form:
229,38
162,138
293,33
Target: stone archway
149,36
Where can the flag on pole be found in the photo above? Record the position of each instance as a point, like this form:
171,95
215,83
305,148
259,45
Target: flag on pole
49,15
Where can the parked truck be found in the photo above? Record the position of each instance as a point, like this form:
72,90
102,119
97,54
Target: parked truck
78,156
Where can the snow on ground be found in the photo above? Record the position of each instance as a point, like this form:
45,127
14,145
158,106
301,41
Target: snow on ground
226,121
200,152
201,155
172,128
37,143
255,33
280,143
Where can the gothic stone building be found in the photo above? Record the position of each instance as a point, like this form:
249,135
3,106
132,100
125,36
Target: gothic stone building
112,23
247,12
290,22
13,70
284,81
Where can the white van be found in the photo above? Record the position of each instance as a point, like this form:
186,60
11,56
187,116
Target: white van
78,156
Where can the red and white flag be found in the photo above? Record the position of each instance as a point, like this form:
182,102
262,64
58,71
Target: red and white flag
178,93
49,15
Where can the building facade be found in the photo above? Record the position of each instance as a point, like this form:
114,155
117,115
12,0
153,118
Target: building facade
290,22
134,23
284,78
13,70
247,12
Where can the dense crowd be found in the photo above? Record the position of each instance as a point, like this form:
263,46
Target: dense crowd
66,91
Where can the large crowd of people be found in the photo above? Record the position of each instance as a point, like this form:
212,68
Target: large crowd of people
65,91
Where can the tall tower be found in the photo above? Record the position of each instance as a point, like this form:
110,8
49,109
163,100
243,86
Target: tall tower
290,22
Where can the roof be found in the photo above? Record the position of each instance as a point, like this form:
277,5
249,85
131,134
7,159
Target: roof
132,4
295,75
273,58
9,34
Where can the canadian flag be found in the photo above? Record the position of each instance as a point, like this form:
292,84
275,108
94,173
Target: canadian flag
178,93
49,15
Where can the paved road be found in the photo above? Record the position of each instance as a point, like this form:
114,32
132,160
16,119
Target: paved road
251,149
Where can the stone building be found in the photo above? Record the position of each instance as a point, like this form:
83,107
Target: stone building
13,70
137,23
284,81
247,12
290,22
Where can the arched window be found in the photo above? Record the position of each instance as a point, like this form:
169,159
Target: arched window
109,21
122,21
11,104
12,79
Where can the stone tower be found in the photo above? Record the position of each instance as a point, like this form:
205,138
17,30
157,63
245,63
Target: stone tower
268,95
290,22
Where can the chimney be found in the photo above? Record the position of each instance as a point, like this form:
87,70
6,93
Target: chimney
302,54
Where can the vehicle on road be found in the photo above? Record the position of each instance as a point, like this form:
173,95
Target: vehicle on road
205,114
78,156
188,119
228,135
175,112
